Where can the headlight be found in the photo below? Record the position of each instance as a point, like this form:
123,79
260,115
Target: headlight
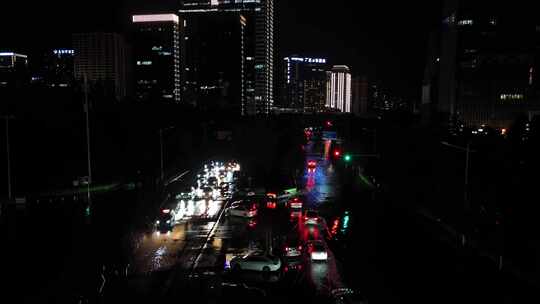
169,221
157,222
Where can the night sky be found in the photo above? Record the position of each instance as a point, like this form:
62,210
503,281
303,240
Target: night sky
385,40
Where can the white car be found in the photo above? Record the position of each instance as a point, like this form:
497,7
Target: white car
256,262
242,210
317,251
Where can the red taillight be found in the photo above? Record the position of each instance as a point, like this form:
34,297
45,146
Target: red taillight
300,247
286,269
305,218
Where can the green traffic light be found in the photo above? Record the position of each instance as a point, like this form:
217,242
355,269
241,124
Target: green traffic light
347,157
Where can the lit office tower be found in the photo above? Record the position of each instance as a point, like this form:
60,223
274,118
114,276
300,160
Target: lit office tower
102,58
264,58
13,69
483,62
229,49
304,83
157,57
338,89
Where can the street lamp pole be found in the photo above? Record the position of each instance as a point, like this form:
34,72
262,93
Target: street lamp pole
161,152
8,154
467,151
87,111
162,176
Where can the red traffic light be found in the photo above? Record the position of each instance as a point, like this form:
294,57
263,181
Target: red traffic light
328,123
337,153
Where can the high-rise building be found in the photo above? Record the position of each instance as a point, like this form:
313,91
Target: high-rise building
304,83
338,89
360,96
13,70
102,57
236,39
483,63
157,57
264,58
54,68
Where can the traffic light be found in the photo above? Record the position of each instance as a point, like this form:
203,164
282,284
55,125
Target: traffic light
328,123
337,153
347,157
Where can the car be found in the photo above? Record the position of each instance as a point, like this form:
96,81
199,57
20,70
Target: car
295,203
212,181
311,217
208,193
295,215
271,204
165,222
312,164
186,196
317,251
293,247
256,262
292,264
242,210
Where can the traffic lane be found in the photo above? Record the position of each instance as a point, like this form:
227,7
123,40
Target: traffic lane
155,250
320,184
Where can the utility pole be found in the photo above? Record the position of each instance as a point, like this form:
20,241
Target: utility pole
8,154
162,175
87,111
467,151
161,151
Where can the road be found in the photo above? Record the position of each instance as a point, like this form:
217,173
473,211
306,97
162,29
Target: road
374,246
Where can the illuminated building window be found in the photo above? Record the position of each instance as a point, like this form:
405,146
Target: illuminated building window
511,96
493,21
466,22
144,62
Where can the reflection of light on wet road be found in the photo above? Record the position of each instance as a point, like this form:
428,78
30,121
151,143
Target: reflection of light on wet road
319,185
213,208
318,273
158,257
190,208
158,251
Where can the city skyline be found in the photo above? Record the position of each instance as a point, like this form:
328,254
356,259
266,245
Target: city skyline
387,31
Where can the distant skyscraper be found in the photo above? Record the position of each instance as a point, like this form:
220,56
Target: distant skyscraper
264,58
13,69
157,57
54,68
304,83
248,26
360,95
102,57
338,89
486,70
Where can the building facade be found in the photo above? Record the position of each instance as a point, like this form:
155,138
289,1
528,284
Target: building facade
338,89
157,57
54,69
13,70
242,33
102,59
304,83
360,96
483,64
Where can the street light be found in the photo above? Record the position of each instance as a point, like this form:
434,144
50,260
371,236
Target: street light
89,160
161,130
467,151
8,156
